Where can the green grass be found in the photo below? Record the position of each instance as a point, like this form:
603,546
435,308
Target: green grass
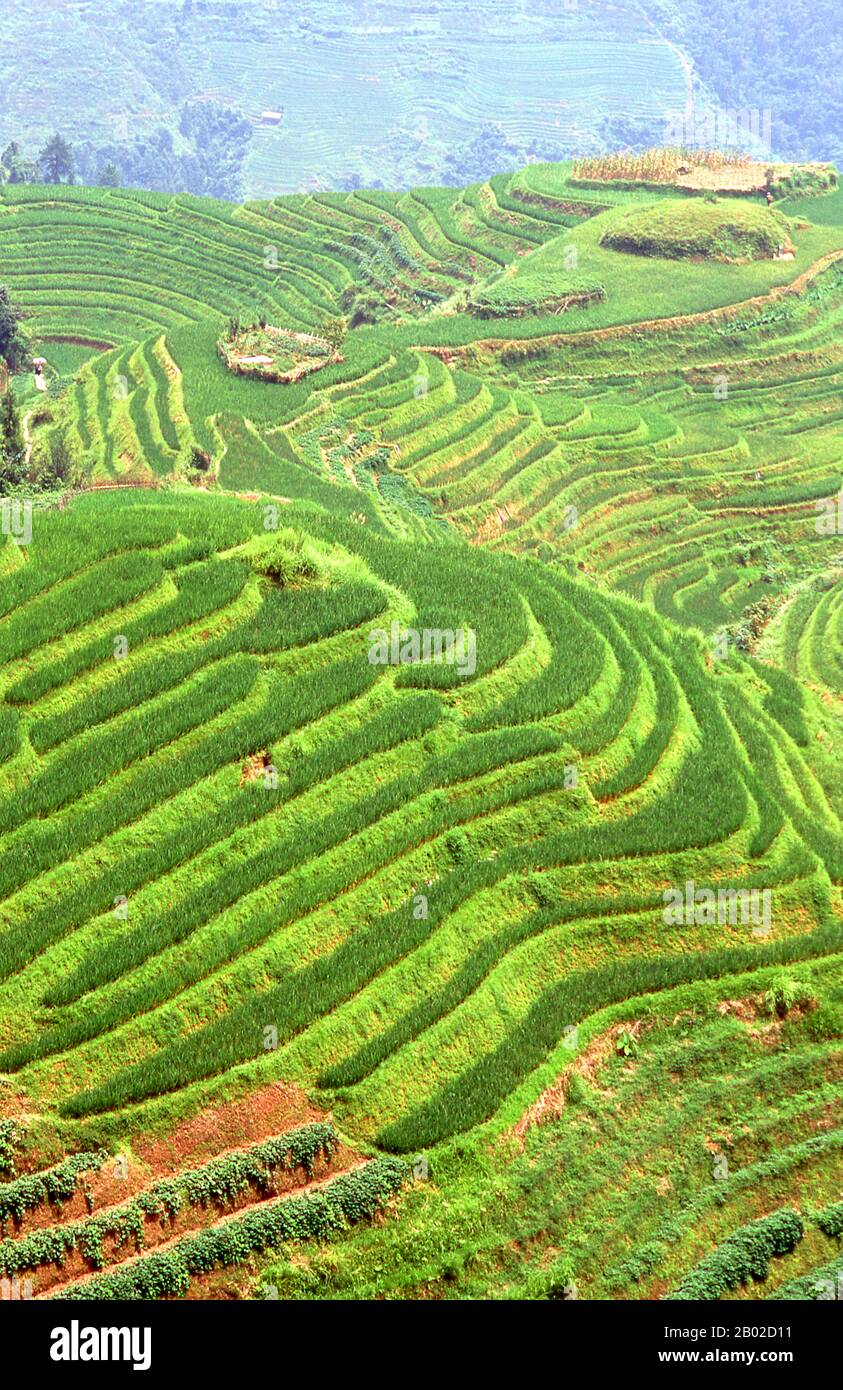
425,883
698,229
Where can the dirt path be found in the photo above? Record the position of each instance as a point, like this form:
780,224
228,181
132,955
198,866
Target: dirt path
687,68
27,435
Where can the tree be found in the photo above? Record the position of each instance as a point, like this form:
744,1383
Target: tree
631,134
12,151
489,151
15,168
24,171
109,175
12,447
57,161
334,331
57,469
13,347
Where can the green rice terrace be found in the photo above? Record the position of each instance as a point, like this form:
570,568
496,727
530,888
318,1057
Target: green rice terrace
381,94
420,791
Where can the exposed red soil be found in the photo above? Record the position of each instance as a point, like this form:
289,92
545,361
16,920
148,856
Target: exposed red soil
76,1270
232,1125
254,767
587,1064
237,1124
219,1286
158,1235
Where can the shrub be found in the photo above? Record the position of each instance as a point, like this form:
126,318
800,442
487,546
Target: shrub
220,1182
55,1185
830,1220
11,1135
785,993
742,1256
316,1216
286,559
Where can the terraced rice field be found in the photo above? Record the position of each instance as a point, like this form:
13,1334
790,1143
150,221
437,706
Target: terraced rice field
543,91
238,851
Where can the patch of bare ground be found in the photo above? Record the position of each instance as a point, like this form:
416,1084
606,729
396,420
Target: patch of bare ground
587,1065
754,1012
234,1124
254,767
223,1129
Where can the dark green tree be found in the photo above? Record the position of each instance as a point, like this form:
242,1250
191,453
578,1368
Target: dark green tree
57,467
109,175
12,447
57,161
13,346
15,167
12,151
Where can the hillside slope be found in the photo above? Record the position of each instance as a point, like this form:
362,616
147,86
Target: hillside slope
490,910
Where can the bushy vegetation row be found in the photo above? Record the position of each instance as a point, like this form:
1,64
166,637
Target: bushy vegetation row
54,1185
821,1284
219,1182
744,1255
319,1215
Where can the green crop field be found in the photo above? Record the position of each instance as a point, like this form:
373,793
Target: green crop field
550,926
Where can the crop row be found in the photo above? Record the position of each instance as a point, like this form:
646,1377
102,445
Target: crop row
352,1197
218,1182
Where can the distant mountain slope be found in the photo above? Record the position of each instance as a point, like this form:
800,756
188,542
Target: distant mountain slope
765,54
375,93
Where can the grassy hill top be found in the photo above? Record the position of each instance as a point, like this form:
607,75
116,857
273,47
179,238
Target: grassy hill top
722,230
